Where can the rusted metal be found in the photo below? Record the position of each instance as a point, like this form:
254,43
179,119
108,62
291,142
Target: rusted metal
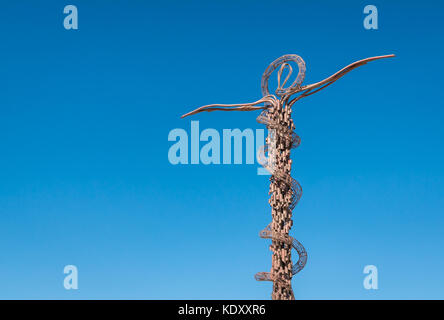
285,192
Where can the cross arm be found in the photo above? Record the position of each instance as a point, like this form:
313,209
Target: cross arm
235,107
318,86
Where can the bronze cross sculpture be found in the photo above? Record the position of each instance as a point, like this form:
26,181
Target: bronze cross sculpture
284,191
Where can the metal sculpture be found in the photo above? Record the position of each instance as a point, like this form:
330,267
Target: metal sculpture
284,191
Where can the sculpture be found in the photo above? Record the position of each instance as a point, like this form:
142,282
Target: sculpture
284,191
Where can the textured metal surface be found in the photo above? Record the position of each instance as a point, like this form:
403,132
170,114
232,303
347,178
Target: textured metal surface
285,192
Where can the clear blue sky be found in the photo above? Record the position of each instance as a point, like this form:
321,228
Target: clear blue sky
84,171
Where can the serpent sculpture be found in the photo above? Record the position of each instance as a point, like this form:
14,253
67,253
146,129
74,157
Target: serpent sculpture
285,192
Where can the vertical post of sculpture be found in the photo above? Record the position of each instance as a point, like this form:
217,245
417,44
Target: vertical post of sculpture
284,191
280,200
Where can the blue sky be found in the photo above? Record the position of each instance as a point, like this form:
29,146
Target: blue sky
84,171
